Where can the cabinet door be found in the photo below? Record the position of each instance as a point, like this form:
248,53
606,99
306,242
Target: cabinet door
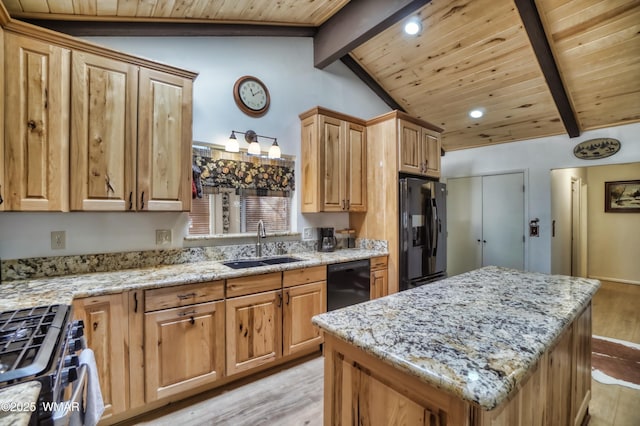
410,148
581,382
333,164
184,348
431,145
378,283
105,320
103,150
2,185
300,304
559,392
37,125
310,166
356,172
364,400
164,142
254,330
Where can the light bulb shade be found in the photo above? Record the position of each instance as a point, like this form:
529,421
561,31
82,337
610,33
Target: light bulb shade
232,144
274,150
254,148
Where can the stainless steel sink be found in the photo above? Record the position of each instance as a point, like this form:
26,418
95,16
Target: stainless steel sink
240,264
253,263
279,260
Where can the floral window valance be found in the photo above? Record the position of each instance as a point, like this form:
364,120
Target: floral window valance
246,174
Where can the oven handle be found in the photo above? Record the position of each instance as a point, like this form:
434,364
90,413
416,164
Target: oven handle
62,418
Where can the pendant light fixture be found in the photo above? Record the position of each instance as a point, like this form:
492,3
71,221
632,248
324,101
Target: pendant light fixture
232,144
274,150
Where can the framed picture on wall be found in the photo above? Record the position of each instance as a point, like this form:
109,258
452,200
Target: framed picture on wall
622,196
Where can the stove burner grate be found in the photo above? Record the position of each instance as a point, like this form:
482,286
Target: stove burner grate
28,339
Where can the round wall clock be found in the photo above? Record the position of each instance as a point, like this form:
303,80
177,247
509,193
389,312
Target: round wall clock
251,96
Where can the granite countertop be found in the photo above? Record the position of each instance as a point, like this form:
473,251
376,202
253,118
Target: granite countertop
63,289
475,335
17,403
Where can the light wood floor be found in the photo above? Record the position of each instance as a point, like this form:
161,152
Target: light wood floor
294,396
616,313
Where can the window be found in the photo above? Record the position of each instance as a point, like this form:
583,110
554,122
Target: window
228,213
238,190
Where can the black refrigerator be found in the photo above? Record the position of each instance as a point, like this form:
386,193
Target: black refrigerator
423,232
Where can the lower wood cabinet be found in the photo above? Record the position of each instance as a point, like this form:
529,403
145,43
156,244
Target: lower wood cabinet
368,401
379,277
263,327
300,304
184,344
106,333
184,348
254,330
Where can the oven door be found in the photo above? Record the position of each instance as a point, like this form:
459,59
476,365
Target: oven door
72,410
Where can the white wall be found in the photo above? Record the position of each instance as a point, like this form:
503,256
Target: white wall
614,238
285,65
539,156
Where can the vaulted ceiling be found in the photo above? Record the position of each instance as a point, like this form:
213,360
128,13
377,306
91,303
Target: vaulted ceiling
535,67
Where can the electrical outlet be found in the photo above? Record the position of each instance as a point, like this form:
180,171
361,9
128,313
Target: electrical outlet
307,234
163,237
58,240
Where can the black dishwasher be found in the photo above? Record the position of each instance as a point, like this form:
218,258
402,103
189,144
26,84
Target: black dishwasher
347,284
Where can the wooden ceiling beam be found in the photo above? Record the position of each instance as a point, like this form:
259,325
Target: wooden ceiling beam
369,81
356,23
535,31
170,29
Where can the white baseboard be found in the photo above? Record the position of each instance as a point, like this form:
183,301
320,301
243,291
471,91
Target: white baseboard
617,280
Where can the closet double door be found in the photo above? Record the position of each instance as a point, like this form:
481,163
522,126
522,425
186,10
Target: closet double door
485,222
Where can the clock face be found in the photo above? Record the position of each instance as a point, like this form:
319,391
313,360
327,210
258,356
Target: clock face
251,95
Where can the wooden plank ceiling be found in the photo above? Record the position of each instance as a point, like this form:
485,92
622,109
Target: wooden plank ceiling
470,54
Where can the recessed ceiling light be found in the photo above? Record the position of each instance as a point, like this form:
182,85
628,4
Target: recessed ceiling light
413,26
476,113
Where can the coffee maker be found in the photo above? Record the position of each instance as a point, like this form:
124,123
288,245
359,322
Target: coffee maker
326,239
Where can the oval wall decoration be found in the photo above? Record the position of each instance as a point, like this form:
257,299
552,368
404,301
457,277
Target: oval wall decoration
594,149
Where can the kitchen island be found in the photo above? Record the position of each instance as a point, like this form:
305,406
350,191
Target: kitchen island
493,346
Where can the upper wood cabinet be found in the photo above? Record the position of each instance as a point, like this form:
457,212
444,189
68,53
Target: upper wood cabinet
137,156
418,149
106,332
36,130
337,182
103,133
164,141
90,128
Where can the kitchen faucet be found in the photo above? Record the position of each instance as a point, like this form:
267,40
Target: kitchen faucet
261,234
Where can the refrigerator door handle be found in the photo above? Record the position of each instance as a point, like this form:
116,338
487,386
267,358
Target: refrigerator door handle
435,226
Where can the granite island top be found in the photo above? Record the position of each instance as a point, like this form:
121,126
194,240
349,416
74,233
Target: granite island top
63,289
476,335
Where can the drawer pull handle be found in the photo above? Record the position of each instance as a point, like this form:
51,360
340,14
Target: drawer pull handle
186,296
185,313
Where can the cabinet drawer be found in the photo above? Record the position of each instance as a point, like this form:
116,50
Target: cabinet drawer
304,276
183,295
378,262
254,284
